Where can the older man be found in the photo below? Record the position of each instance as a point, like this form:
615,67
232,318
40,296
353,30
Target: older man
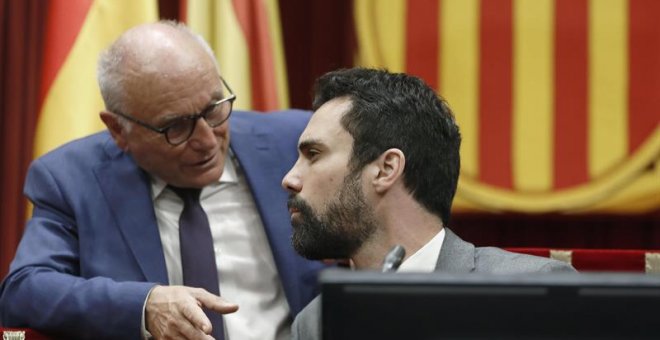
136,231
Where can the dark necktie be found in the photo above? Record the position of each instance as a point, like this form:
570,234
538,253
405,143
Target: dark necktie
197,254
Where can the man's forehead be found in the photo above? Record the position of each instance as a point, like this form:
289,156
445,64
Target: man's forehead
325,124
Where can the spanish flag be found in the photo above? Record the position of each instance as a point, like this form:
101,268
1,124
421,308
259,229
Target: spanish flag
557,100
247,39
76,32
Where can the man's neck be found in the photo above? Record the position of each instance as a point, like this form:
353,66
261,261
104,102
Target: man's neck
410,236
401,221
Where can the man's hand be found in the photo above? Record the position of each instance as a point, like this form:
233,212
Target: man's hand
175,312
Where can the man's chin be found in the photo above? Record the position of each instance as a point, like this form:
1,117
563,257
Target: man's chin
306,250
208,176
296,221
315,253
311,256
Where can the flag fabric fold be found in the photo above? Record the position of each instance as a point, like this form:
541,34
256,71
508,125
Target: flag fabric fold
556,99
247,39
76,32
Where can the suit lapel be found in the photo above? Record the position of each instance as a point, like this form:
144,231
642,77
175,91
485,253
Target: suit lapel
456,255
264,167
126,188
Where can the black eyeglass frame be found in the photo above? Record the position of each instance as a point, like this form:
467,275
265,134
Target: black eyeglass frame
195,116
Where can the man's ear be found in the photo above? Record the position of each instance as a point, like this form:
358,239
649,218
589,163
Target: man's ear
111,121
388,169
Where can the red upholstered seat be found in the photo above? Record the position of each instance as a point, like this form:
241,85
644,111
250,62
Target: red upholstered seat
608,260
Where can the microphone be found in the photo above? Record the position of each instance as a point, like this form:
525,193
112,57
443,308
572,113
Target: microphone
393,258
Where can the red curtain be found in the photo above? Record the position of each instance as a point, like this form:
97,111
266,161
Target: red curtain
318,37
21,25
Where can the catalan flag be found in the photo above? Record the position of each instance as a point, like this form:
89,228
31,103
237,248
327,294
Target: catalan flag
558,100
76,32
246,36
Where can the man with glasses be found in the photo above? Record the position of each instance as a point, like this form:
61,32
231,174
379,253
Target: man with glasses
127,223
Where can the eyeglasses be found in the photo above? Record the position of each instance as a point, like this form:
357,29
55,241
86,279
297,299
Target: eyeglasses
181,128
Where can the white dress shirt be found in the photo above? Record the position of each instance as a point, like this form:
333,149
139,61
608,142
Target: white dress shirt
426,258
246,268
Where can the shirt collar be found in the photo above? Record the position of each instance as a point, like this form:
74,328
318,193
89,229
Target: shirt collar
229,175
426,258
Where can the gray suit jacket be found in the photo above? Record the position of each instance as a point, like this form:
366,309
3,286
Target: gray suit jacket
456,256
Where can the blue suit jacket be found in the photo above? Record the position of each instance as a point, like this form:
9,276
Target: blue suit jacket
91,251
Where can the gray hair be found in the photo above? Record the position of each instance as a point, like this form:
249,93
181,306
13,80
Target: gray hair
111,75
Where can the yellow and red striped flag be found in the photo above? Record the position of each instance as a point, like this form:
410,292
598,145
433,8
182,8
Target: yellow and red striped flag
246,36
76,32
557,100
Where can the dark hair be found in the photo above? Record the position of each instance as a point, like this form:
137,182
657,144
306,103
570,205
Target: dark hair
396,110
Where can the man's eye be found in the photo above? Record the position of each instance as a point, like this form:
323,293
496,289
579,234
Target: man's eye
178,126
312,153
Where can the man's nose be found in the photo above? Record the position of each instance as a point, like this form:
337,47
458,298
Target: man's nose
203,136
291,181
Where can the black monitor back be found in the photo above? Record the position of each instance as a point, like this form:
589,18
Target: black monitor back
371,305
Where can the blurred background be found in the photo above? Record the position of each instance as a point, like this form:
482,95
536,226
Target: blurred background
558,100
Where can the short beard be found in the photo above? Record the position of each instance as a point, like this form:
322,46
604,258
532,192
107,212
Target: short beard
339,232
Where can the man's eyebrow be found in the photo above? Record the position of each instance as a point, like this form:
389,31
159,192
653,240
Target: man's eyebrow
306,144
174,116
217,95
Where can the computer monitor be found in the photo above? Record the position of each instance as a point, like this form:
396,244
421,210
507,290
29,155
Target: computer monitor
385,306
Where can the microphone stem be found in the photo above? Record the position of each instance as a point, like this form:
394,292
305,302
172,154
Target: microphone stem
393,259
